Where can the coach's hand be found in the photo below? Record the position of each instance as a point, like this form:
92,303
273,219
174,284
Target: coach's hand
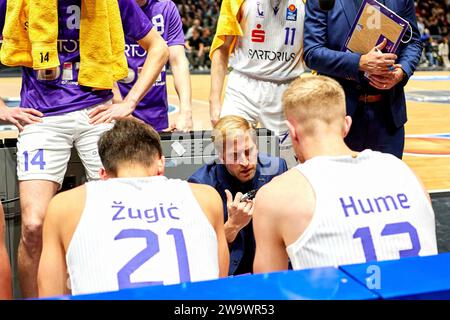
239,215
376,62
387,82
111,112
19,117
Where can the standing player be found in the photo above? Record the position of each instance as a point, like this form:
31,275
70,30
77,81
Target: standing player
137,228
339,206
44,147
153,108
263,41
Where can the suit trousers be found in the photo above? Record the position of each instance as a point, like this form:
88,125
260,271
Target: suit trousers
373,128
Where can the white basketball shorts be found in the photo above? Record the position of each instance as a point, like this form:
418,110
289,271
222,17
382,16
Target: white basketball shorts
43,149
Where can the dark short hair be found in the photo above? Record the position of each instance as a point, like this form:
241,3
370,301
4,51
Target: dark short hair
129,141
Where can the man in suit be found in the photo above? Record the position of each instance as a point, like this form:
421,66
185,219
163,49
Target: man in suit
241,169
377,104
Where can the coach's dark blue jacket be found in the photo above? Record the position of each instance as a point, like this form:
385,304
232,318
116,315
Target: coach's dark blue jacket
242,250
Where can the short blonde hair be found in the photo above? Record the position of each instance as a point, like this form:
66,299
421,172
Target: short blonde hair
227,128
314,99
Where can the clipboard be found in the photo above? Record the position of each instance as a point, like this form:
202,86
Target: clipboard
374,23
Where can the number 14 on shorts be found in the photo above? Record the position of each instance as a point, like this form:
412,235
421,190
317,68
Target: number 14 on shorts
36,160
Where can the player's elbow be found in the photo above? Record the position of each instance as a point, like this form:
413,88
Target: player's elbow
220,54
156,48
159,53
163,51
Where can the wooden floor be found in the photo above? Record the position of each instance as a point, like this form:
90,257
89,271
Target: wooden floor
427,148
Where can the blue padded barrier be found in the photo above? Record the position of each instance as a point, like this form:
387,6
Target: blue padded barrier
409,278
323,283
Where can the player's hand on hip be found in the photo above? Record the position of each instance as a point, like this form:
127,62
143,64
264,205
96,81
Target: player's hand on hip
20,117
239,213
376,62
111,112
383,82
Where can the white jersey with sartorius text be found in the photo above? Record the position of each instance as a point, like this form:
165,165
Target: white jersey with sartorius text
140,231
272,46
368,208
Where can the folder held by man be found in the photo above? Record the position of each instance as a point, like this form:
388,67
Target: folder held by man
374,23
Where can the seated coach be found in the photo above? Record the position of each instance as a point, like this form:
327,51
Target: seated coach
240,169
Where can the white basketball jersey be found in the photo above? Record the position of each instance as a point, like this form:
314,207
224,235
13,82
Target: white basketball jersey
140,231
272,46
368,208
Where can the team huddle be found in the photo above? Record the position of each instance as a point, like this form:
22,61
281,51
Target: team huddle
338,194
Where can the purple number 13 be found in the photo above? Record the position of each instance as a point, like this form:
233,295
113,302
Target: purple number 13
390,229
152,248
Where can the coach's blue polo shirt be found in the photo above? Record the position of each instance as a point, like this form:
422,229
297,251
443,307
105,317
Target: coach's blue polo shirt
242,250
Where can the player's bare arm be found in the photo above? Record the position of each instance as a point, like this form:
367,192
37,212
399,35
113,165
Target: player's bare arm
157,56
52,274
116,92
63,215
5,268
271,252
211,204
219,67
182,82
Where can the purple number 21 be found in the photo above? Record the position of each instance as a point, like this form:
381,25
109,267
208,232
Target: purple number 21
152,248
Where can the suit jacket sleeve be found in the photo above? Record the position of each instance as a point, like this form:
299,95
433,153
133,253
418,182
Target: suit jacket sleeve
410,53
317,55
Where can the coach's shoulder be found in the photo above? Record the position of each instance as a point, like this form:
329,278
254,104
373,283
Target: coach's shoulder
206,174
270,164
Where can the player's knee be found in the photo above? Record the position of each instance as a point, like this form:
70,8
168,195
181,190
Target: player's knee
32,234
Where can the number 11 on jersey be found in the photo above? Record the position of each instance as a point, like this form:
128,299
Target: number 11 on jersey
289,36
